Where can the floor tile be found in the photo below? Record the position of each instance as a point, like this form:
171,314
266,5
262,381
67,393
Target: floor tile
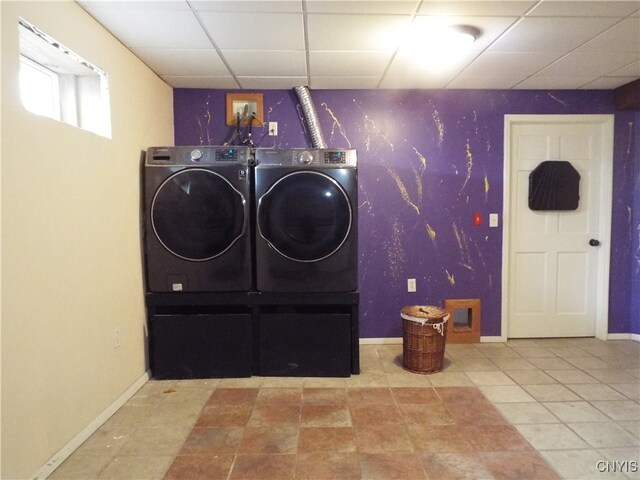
440,438
427,414
604,434
477,413
550,363
223,415
273,414
415,395
571,376
363,415
596,391
391,466
630,390
324,396
155,441
134,467
460,394
506,364
212,441
530,377
455,466
489,378
200,467
506,393
408,379
551,393
555,436
575,412
328,465
105,442
518,465
325,416
578,464
526,413
280,396
81,467
588,362
610,375
326,439
453,379
264,467
494,437
369,396
233,396
269,440
382,439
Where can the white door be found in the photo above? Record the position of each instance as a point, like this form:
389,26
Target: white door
556,282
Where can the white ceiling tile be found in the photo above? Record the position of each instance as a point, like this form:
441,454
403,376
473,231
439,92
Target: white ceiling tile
564,8
607,83
135,4
487,82
363,7
564,82
551,34
271,82
630,70
344,83
248,6
266,63
153,28
355,32
491,8
514,64
354,64
585,64
404,82
180,81
490,27
182,62
252,31
408,62
622,37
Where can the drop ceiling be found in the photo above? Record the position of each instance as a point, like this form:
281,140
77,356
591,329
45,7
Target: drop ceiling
266,44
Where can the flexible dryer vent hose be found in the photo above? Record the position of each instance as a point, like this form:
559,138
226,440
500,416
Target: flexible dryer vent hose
309,111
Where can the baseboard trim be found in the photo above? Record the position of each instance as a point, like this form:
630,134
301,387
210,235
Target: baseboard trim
623,336
398,340
55,461
493,339
381,341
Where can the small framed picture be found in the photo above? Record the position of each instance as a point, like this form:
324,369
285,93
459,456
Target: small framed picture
243,106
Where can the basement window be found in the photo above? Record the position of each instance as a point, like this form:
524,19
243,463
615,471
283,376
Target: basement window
57,83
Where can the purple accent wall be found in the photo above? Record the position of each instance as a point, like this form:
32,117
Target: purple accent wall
429,159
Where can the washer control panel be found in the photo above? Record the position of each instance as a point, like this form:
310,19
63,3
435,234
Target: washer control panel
306,158
201,155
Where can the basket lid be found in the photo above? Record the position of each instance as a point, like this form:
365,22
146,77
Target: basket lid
424,314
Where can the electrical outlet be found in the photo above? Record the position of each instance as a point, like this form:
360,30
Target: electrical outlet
273,129
411,284
116,337
493,220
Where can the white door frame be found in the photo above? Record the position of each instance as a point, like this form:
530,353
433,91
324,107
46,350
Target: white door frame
604,225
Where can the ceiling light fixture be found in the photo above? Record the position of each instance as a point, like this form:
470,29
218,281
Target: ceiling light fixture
440,48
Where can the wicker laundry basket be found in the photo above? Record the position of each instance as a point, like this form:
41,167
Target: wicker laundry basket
424,338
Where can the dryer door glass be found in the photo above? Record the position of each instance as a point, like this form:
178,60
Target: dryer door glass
305,216
197,214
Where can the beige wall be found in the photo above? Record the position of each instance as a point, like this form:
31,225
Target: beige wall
71,262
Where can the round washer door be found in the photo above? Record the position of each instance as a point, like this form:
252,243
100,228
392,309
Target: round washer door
305,216
197,214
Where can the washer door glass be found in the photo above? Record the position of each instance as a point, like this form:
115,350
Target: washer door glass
197,214
305,216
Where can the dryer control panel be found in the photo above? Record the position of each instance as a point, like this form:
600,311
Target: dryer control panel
303,157
198,155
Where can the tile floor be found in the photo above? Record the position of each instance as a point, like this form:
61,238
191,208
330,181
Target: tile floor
525,409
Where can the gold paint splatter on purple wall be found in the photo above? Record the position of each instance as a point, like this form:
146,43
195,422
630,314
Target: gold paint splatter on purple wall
450,277
372,131
403,190
486,188
395,252
204,135
469,157
336,124
432,234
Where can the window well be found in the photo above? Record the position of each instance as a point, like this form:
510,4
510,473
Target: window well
57,83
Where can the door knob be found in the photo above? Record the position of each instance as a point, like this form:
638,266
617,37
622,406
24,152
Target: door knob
594,243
